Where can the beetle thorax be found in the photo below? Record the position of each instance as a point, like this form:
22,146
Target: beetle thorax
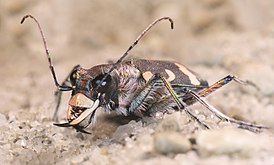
129,81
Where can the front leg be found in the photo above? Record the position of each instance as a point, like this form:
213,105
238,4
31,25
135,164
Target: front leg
147,97
58,93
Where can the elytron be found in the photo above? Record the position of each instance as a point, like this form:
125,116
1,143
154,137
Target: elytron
137,86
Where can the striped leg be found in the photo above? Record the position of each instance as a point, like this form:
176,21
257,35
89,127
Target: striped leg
58,93
223,82
216,112
222,116
152,89
181,104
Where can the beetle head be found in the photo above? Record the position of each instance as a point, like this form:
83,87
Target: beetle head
91,88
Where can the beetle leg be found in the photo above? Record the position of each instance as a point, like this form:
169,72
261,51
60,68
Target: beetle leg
223,82
157,81
181,104
58,93
216,112
223,116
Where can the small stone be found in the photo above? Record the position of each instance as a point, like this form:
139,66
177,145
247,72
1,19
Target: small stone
172,122
22,142
227,141
78,159
3,120
93,157
35,124
171,142
104,151
125,131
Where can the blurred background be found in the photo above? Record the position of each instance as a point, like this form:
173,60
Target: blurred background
236,36
212,37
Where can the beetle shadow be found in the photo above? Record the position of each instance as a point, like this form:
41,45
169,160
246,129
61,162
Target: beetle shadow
107,123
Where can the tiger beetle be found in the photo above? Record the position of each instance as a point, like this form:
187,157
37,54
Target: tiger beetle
137,86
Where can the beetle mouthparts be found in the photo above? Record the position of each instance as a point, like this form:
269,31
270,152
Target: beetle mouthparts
82,119
68,125
79,117
62,124
84,114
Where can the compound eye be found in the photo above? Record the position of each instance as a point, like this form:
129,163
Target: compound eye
73,77
104,85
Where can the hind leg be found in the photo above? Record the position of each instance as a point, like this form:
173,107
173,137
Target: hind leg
223,82
180,103
220,115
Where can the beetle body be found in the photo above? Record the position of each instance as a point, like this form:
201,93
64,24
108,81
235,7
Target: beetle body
128,89
139,87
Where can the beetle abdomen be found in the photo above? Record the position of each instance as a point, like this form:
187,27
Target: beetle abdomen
174,73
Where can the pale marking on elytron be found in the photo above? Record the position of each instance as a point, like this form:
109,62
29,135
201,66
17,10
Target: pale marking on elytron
171,75
147,75
193,79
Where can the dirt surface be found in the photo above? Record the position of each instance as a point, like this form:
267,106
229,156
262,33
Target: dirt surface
213,37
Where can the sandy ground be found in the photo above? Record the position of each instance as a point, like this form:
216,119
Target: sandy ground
213,37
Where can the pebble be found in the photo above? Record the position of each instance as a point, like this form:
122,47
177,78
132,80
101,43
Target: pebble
3,120
171,143
77,159
21,142
227,141
126,130
169,123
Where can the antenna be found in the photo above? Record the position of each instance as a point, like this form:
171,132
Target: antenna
59,87
66,88
133,45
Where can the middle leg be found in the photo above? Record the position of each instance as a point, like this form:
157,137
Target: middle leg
152,95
